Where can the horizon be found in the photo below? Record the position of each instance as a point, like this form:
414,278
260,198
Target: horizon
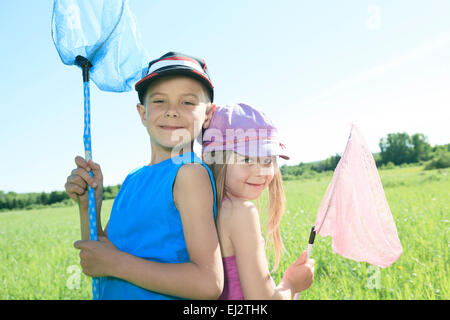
288,165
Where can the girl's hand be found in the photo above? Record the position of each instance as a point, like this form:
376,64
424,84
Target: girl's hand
300,274
97,257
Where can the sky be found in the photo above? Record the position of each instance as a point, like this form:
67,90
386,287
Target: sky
312,66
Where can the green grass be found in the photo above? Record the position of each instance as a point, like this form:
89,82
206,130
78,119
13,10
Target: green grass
419,202
38,261
37,257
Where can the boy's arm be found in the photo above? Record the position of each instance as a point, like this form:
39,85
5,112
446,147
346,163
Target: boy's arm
202,276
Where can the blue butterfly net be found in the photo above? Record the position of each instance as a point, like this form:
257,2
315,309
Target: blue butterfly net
105,33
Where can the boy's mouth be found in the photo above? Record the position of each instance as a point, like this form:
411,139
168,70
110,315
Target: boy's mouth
170,128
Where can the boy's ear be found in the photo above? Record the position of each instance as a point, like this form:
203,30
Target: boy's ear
141,110
209,115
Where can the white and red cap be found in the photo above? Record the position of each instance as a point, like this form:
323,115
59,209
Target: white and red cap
174,63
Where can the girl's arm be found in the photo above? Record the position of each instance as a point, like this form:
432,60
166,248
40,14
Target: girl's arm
245,234
202,276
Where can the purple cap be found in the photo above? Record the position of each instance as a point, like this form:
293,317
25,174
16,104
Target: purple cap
243,129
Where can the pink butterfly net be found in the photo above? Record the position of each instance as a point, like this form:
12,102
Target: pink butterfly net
354,210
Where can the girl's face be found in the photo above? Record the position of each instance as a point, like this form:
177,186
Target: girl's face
247,177
175,111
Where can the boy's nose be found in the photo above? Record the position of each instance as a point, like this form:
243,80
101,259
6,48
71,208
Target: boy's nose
171,113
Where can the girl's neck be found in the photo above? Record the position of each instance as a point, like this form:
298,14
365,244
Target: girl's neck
233,197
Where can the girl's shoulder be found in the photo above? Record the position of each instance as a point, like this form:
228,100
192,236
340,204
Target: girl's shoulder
237,222
234,211
238,226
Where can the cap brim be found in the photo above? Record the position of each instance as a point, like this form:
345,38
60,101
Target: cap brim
259,148
267,148
142,84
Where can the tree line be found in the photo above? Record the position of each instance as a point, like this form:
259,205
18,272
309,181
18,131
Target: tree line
13,200
396,149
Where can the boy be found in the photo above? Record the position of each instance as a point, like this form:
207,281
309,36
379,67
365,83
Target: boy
160,241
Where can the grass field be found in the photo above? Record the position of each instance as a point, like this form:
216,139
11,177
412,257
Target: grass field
38,261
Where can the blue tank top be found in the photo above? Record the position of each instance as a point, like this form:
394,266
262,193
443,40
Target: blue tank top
145,222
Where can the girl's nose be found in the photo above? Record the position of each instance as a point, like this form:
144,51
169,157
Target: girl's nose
263,170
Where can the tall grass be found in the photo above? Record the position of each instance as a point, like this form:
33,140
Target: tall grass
37,257
419,202
38,261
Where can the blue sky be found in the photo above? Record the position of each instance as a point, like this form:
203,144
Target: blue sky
312,66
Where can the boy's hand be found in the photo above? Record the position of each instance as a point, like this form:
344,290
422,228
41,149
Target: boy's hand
300,274
97,257
79,179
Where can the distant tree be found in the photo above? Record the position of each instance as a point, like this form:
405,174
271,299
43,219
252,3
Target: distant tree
43,198
421,148
440,160
332,162
396,148
436,150
57,196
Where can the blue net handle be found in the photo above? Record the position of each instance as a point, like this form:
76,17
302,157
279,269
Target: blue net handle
91,192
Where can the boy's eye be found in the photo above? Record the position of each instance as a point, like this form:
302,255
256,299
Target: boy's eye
189,103
158,101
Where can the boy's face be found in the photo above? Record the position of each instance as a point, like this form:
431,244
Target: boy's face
176,109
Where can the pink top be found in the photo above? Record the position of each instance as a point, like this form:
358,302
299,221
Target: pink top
232,286
232,289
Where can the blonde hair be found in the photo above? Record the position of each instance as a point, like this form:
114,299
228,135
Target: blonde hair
277,200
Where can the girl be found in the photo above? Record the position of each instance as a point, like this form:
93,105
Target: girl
240,146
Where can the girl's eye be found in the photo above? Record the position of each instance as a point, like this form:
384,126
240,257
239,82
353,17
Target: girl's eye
268,161
248,161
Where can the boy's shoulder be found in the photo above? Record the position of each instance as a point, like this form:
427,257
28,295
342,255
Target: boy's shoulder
131,174
136,170
192,186
193,177
192,171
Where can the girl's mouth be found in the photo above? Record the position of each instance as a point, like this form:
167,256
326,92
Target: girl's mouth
256,185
